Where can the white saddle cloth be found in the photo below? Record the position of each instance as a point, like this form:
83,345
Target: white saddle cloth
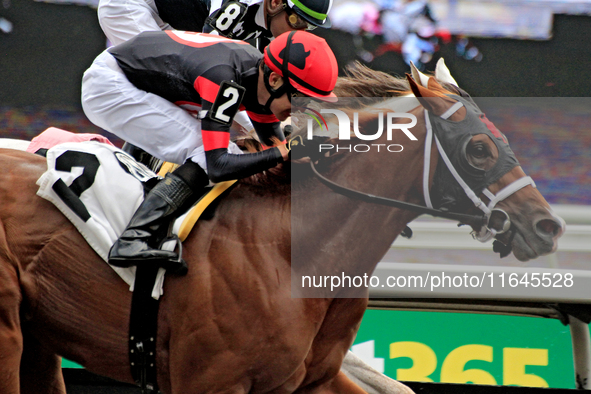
97,187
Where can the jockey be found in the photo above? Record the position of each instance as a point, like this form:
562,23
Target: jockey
142,91
238,19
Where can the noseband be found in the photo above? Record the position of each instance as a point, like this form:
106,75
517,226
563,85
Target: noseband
479,221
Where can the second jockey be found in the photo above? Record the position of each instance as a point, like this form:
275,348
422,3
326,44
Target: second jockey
238,19
174,95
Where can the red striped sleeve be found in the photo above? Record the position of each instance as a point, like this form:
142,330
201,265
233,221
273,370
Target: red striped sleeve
215,139
262,118
208,90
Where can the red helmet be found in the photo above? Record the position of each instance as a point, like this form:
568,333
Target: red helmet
311,67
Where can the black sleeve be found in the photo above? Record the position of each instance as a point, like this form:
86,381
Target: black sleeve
265,131
224,166
221,165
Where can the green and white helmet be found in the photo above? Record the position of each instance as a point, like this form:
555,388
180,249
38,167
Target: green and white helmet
314,12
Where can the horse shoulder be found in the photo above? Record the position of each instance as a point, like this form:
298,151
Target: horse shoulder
28,221
17,172
239,287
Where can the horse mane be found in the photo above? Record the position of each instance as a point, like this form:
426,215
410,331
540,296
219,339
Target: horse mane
358,81
362,81
276,176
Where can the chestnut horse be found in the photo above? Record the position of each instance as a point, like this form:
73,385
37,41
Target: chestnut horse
231,324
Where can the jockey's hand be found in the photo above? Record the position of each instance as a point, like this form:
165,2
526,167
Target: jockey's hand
287,130
282,147
300,147
284,151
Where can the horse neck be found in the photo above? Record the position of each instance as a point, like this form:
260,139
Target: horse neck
332,233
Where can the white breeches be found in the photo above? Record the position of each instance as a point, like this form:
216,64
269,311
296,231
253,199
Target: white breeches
123,19
161,128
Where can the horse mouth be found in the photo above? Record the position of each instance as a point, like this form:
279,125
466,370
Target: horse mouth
534,238
514,241
522,250
528,246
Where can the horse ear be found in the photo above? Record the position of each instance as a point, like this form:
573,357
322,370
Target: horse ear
433,85
418,76
442,73
419,90
434,98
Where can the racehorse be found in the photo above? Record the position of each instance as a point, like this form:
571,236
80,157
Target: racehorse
231,325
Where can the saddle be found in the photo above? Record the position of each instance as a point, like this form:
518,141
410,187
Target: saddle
83,180
203,209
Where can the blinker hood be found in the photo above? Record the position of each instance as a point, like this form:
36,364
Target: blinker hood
454,138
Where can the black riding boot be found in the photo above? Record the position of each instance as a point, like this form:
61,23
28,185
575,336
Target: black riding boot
140,242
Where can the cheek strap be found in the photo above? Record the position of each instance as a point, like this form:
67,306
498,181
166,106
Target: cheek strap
274,93
286,87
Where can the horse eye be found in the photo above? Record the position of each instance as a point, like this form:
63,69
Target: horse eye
481,153
478,151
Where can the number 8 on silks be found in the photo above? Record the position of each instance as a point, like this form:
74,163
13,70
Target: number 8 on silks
227,18
226,103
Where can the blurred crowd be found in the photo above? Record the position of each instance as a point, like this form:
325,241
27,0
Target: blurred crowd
406,27
5,24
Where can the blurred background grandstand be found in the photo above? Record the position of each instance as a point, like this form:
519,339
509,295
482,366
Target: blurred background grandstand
528,48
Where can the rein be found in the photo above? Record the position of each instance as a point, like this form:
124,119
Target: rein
473,220
479,221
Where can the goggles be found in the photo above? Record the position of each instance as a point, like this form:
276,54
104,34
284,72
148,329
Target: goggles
295,94
295,21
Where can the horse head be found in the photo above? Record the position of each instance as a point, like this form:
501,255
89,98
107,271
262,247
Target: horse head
463,165
479,170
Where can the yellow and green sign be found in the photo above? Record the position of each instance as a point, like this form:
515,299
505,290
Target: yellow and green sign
467,348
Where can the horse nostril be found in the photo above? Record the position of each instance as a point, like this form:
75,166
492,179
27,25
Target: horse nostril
548,227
